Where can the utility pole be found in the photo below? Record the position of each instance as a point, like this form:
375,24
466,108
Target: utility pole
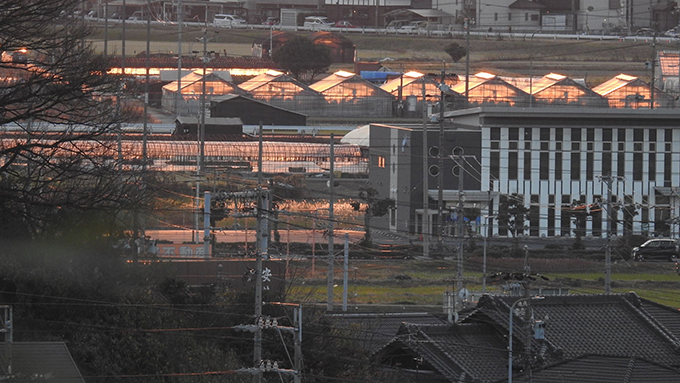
461,228
651,105
610,216
426,185
331,250
467,61
205,60
440,177
345,273
206,224
178,95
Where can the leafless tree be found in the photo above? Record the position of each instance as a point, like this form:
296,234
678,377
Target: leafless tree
60,112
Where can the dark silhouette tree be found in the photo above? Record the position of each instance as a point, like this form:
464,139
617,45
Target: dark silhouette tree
456,51
57,182
302,58
371,205
512,214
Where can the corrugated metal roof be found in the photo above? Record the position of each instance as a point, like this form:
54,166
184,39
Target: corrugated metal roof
39,361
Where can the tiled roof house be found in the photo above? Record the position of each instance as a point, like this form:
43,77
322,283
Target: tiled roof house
588,338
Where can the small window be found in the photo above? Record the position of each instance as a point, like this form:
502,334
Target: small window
534,17
509,16
381,161
495,16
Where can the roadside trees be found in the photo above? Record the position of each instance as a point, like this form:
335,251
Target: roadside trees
371,205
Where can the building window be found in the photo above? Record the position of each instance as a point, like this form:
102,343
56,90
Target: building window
534,17
509,16
575,166
558,166
495,134
544,167
652,166
527,165
621,164
512,165
495,165
495,16
381,161
590,162
526,17
637,166
606,163
534,215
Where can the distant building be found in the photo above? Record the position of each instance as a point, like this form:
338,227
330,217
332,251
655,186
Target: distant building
549,157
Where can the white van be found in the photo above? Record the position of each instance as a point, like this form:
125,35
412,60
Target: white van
228,21
317,23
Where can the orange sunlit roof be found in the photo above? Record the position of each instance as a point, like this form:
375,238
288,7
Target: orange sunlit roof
555,76
485,75
331,81
613,84
413,74
406,79
668,62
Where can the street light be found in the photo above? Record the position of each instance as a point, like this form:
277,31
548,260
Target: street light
512,311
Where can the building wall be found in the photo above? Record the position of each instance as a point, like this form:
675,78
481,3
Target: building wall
554,160
396,170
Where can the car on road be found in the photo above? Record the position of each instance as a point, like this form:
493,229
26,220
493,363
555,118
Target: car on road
673,32
271,21
397,24
658,249
318,23
645,32
228,21
346,24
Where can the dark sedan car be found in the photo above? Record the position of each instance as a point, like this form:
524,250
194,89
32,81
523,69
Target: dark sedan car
660,249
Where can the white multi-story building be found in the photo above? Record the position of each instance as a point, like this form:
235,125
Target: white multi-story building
559,161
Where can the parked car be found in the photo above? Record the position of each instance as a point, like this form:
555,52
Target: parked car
317,22
345,24
396,24
674,32
414,26
659,249
228,21
645,32
271,21
136,16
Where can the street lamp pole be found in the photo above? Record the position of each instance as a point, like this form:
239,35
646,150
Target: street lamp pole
512,311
